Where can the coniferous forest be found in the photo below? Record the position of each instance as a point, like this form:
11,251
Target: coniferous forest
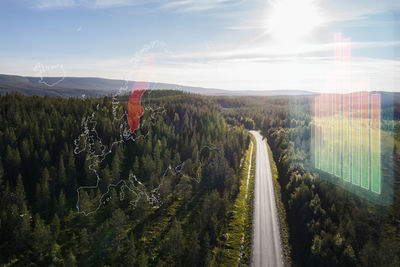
200,133
40,174
167,193
328,226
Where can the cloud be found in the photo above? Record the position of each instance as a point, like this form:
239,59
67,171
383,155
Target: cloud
343,10
253,65
178,6
90,4
48,4
295,73
310,67
182,6
271,52
251,68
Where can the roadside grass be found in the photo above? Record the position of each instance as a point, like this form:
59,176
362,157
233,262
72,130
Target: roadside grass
239,227
249,215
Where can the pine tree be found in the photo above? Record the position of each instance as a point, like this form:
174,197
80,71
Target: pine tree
1,173
118,223
43,194
61,203
25,150
62,177
193,249
55,254
71,169
23,227
20,192
130,257
176,242
116,166
143,259
13,159
136,165
70,259
41,238
157,157
46,156
55,227
84,245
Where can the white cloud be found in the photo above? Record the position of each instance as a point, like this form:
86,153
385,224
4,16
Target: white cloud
272,52
183,6
48,4
343,10
257,65
245,69
179,6
91,4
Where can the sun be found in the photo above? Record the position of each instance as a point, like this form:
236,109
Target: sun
290,21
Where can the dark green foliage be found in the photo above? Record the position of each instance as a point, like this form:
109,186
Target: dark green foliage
328,226
39,175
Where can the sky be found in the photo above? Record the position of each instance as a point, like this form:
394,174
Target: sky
225,44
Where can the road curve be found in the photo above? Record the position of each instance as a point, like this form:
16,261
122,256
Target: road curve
266,245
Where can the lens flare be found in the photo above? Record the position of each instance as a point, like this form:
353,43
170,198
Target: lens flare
290,21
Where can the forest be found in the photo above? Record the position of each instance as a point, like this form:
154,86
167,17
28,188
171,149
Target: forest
168,194
327,225
185,158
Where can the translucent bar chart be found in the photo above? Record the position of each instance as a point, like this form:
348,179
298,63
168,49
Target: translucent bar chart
352,142
346,131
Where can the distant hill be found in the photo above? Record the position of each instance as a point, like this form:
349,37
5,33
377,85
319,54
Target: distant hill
78,86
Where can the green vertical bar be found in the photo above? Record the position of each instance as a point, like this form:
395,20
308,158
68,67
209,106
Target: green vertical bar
346,137
324,139
313,121
329,120
317,145
376,144
355,131
327,127
365,140
337,138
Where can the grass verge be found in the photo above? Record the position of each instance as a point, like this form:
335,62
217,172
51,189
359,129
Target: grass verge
238,230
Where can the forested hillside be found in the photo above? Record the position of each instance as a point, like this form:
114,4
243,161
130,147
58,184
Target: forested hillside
186,151
166,194
328,225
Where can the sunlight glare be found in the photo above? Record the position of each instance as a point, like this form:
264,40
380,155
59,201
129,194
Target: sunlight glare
291,21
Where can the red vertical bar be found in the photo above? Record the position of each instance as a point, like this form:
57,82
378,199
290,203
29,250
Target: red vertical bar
364,105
